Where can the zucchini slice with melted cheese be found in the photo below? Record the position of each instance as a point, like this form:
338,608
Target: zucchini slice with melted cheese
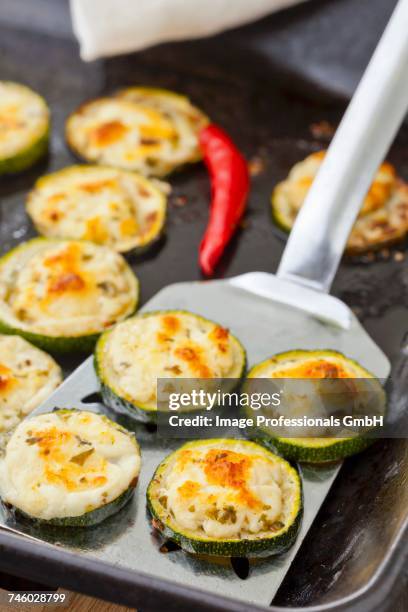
312,364
226,498
148,130
383,218
69,468
112,207
27,377
61,295
24,127
167,344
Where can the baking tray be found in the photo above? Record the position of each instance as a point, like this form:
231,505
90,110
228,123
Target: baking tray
343,560
128,535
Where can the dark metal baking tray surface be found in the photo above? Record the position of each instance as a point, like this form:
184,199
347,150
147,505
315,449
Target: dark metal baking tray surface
299,39
356,548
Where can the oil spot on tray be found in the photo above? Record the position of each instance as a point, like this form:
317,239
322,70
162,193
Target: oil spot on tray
240,566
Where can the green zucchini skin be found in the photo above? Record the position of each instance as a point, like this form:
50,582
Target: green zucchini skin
336,449
136,413
59,345
25,159
253,549
115,402
75,171
149,247
56,345
250,548
276,217
123,406
111,399
89,519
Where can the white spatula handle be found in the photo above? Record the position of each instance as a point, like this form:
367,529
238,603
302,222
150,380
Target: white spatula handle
317,240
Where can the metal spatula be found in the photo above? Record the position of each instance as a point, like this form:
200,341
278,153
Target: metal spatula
297,311
273,313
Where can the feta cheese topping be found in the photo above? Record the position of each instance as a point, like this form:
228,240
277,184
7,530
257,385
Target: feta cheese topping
24,118
140,129
308,364
383,217
112,207
67,463
65,288
165,345
27,377
226,489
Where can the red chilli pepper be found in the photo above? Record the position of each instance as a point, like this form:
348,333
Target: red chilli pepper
229,191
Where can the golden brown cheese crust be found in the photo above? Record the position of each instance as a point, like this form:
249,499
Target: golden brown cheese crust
112,207
383,217
27,377
226,489
165,345
67,463
139,129
314,368
184,115
24,119
309,364
65,288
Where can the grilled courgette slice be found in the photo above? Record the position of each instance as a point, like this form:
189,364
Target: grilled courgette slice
383,218
115,208
27,377
167,344
69,468
306,364
226,498
24,127
60,295
148,130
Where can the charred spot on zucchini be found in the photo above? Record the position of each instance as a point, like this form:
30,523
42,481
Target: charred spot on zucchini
27,377
69,468
383,218
226,498
108,206
55,293
24,127
309,364
147,130
166,344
